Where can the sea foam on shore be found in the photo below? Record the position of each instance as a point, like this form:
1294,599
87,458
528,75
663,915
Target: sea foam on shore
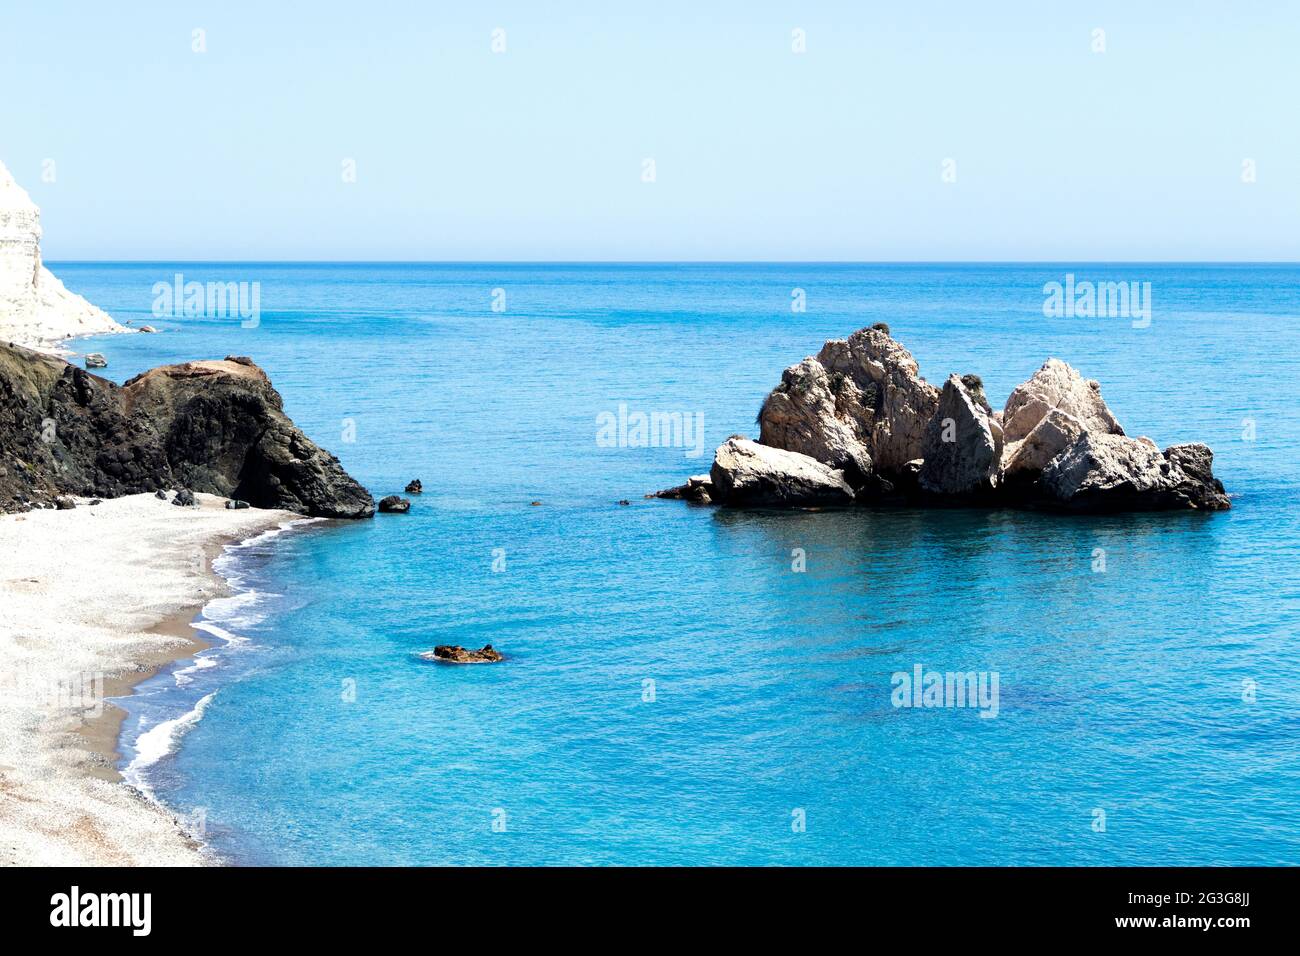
87,594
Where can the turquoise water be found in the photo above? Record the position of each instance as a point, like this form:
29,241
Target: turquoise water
1122,691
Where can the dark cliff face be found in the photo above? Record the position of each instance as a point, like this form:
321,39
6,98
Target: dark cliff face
215,427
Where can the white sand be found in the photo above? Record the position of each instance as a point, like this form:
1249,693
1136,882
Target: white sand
80,591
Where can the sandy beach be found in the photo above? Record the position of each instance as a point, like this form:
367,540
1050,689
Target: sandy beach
95,599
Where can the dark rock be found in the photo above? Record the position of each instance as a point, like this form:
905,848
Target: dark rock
95,501
625,502
1203,491
698,489
415,488
394,505
95,360
455,654
64,503
235,504
160,494
185,498
213,427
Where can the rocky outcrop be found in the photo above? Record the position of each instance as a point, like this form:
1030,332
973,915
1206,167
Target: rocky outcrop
414,487
858,423
455,654
1057,385
748,473
35,308
963,444
217,427
1026,459
698,489
859,406
1066,449
1103,472
394,505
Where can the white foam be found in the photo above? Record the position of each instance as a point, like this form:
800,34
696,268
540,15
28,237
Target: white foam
161,739
183,676
236,611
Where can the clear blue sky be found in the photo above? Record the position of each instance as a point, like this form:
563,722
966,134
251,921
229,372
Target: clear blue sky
1061,153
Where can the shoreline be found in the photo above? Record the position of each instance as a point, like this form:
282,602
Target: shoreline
99,599
102,734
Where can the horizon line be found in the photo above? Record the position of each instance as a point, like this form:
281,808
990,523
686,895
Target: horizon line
689,262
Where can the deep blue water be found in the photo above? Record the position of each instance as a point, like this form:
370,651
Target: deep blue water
1120,691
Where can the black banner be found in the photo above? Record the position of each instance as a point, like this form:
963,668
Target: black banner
336,905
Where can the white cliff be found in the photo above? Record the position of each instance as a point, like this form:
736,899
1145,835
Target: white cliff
35,308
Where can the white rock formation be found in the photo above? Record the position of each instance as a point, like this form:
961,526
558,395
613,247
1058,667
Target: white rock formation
1057,385
747,473
861,405
1054,433
35,308
963,444
1105,472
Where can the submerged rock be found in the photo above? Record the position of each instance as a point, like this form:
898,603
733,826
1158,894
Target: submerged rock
455,654
414,487
963,444
394,505
698,489
216,427
747,473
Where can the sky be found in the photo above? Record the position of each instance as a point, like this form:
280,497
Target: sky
904,131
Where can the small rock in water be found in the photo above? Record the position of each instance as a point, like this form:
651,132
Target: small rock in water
415,488
147,328
625,502
534,504
455,654
64,503
235,503
95,360
394,505
185,498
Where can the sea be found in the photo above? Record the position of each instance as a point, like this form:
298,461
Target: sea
687,685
